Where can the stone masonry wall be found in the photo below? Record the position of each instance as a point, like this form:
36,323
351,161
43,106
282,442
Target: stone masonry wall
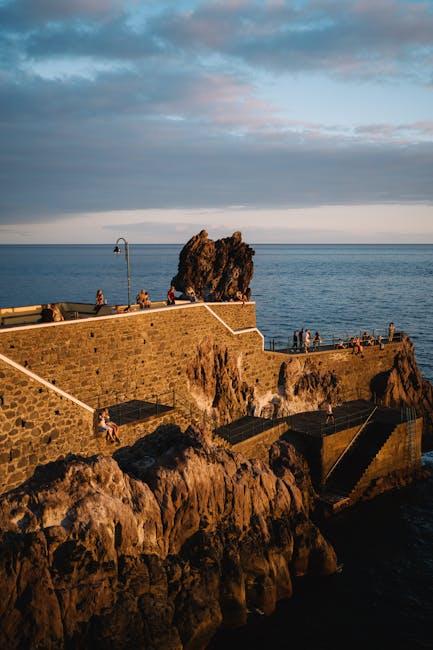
392,457
236,315
108,360
111,359
37,425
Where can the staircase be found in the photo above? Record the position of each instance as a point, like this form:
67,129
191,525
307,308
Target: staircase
356,461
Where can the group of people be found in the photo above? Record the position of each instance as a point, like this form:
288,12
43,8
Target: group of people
51,313
143,300
302,340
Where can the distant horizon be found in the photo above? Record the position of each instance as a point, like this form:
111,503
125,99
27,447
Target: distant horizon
182,243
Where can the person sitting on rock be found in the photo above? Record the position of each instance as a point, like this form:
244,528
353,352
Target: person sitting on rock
171,298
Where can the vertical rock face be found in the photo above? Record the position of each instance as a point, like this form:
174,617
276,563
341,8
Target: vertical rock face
216,270
404,385
153,554
216,382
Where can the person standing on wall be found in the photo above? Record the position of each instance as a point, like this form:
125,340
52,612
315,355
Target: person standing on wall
391,332
295,340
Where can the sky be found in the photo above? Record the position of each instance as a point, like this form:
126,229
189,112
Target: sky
302,121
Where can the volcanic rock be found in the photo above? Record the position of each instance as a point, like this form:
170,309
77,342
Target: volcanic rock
216,270
404,385
153,552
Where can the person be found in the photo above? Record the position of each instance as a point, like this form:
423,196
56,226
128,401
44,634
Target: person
106,427
365,337
317,341
171,299
380,342
190,294
100,299
56,312
340,344
307,341
295,340
391,332
46,314
113,425
357,347
330,417
301,339
143,299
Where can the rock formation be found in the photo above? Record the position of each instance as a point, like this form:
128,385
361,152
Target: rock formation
216,383
404,385
216,270
155,550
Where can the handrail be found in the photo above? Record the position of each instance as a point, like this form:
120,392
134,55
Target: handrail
355,437
285,343
338,421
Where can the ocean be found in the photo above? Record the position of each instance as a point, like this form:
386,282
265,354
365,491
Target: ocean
384,596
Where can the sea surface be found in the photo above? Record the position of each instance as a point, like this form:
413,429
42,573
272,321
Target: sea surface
383,598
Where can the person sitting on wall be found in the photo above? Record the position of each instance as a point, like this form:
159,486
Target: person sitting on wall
190,294
107,426
46,315
171,298
100,298
57,314
143,299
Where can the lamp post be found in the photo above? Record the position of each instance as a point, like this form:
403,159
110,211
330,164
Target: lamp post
117,251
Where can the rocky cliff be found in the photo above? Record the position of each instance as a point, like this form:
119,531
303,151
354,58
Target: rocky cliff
155,549
404,385
216,270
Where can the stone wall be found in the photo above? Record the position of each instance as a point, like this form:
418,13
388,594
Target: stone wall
134,356
236,315
37,425
112,359
394,456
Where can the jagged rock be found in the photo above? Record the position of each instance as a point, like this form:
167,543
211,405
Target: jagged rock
216,270
216,383
106,554
404,385
302,383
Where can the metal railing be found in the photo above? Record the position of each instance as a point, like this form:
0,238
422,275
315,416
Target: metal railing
285,344
354,439
338,424
127,408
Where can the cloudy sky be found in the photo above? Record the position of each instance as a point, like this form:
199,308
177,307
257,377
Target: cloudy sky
301,121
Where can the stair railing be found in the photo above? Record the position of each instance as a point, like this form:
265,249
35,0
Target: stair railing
355,437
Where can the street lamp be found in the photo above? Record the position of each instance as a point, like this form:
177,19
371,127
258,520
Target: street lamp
117,251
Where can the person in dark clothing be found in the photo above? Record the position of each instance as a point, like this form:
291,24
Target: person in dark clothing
295,340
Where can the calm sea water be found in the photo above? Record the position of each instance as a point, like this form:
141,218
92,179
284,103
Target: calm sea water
384,596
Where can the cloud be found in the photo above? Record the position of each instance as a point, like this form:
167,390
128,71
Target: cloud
112,104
